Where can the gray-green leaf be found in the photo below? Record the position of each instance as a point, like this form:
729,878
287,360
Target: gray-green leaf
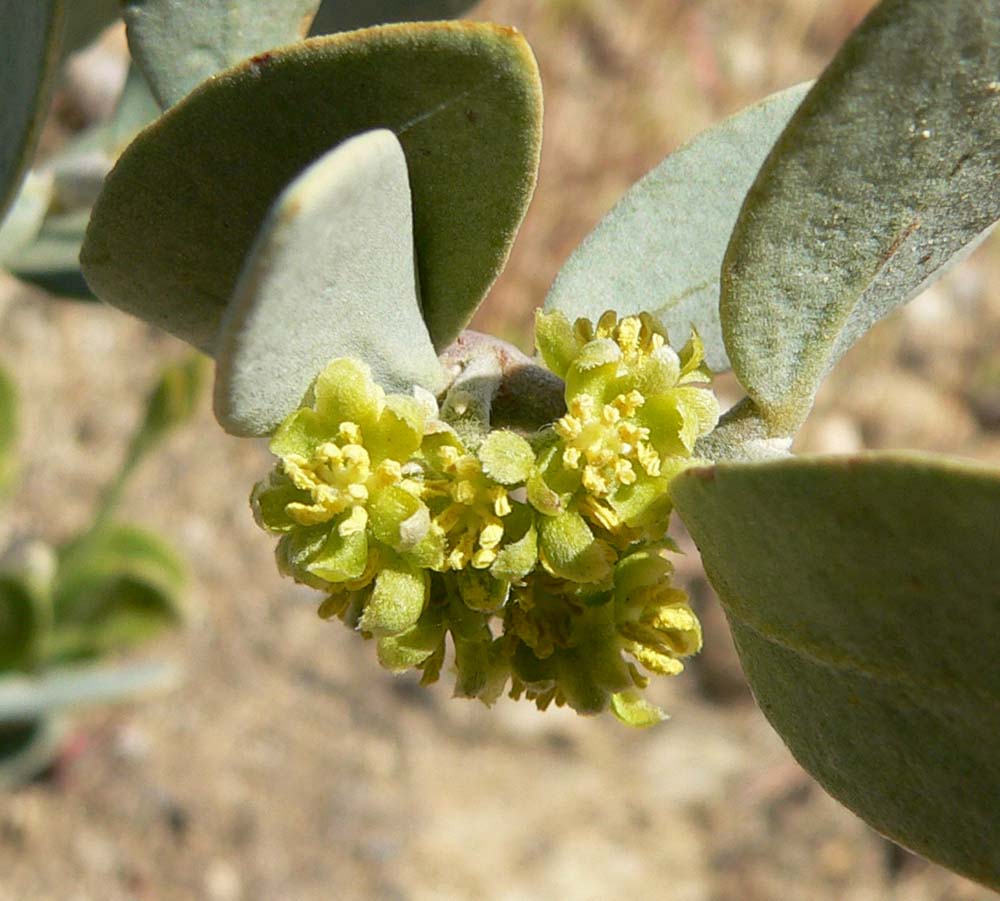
180,43
331,275
183,206
661,247
24,698
29,53
346,15
864,601
886,172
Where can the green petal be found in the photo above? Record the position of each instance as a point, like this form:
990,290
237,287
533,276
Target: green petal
345,392
482,670
399,519
480,591
269,500
569,550
699,410
634,710
301,434
556,341
661,414
398,599
658,373
399,430
517,559
342,558
409,649
507,458
646,503
594,368
428,553
639,570
296,550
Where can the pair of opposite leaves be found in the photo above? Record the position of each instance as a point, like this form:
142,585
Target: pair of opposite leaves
885,172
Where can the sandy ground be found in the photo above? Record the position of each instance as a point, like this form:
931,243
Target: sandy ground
287,765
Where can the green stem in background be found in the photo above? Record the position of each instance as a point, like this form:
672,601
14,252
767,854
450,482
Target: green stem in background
171,403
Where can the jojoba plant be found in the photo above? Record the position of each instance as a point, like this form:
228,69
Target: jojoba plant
324,217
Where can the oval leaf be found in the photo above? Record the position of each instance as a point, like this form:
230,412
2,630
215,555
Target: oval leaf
887,171
864,601
180,43
29,53
346,15
661,247
331,275
182,208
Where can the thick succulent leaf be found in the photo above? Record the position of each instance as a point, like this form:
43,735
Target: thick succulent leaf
85,20
27,748
115,587
346,15
8,430
29,51
886,172
25,698
864,601
180,43
183,206
330,275
661,247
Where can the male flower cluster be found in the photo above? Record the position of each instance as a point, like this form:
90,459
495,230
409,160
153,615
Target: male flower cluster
541,556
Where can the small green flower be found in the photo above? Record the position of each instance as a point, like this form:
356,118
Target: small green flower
539,559
348,503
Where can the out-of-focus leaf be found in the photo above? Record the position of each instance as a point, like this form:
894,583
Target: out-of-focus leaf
865,604
85,20
27,748
171,403
661,247
51,260
81,166
888,169
26,574
26,698
183,206
18,623
180,43
29,52
331,275
112,551
115,587
346,15
173,400
24,218
8,430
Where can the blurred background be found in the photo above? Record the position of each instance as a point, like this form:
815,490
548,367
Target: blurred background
287,764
